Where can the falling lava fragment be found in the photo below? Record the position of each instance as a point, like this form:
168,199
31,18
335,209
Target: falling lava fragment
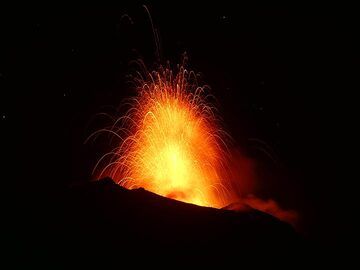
171,142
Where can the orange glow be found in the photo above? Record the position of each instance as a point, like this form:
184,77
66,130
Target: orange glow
171,142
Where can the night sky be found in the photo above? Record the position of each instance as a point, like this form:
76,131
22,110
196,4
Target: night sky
283,76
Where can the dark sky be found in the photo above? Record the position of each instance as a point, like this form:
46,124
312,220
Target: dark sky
281,75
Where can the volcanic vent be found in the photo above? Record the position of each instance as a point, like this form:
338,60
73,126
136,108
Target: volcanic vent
171,141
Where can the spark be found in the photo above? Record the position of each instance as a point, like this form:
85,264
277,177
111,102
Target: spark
170,141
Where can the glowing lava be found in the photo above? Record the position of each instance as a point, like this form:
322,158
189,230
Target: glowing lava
171,141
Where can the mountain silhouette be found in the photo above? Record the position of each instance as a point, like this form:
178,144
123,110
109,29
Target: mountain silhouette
103,222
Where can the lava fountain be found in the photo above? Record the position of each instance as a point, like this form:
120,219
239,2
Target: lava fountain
171,141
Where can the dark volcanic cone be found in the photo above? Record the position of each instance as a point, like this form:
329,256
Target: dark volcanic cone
104,222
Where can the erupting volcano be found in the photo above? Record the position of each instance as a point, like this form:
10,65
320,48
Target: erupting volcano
171,142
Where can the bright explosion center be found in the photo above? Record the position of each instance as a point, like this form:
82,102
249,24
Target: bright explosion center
171,142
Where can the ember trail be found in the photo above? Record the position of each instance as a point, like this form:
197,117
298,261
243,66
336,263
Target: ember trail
171,142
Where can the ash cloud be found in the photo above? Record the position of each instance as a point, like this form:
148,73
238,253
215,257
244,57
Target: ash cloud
245,183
